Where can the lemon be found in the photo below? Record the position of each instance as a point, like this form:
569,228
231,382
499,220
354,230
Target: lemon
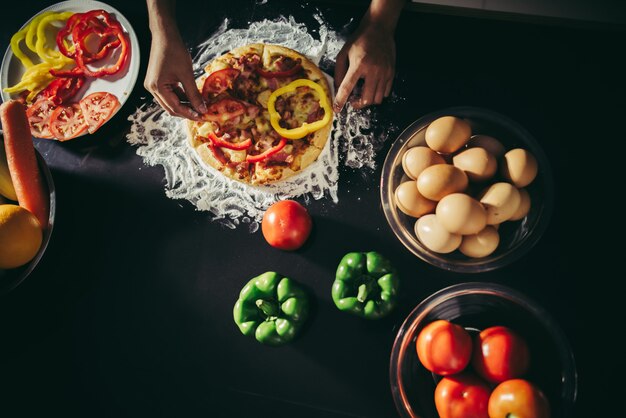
20,236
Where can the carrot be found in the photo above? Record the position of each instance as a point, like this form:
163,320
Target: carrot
22,161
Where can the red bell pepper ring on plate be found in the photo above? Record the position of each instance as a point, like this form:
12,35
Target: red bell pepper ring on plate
268,153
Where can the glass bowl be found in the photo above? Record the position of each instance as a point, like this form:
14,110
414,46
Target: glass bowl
10,279
516,237
476,306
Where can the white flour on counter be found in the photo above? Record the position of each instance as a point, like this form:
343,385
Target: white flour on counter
161,138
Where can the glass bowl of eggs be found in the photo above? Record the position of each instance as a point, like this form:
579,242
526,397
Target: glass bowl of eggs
467,189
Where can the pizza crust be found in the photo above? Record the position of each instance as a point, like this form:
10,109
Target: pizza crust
260,173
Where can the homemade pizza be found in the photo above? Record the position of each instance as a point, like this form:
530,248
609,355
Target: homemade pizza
268,117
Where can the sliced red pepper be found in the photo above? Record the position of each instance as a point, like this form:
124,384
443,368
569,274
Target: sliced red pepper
217,153
80,27
222,142
65,34
74,72
61,90
268,153
280,74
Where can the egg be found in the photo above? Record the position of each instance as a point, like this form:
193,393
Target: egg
440,180
524,206
477,163
410,201
434,236
519,166
461,214
481,244
492,145
447,134
416,159
501,201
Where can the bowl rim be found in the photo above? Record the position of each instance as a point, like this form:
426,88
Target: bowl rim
474,265
13,282
404,338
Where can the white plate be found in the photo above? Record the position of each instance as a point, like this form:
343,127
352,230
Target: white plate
121,85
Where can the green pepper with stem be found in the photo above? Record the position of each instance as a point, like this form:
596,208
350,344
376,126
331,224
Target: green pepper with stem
272,308
366,285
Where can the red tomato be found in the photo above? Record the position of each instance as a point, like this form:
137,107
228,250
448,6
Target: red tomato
500,354
518,398
286,225
67,122
444,348
219,81
39,118
98,108
462,396
224,110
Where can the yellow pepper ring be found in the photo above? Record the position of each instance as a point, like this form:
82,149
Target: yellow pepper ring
305,128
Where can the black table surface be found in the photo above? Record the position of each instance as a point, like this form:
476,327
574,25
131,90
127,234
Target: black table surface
129,313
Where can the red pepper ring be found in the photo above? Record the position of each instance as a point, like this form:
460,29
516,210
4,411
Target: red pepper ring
222,142
268,153
81,59
65,34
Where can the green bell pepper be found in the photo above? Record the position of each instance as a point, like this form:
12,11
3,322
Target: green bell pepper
272,308
366,285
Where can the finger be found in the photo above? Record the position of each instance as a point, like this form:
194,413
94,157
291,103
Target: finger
341,67
368,93
194,96
163,104
344,90
169,96
380,92
388,87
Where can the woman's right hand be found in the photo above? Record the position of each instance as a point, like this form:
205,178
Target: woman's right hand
170,77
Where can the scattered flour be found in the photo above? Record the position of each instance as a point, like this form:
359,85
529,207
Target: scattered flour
161,138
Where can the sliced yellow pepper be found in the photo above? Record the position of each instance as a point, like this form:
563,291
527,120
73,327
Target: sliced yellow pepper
17,51
37,76
305,128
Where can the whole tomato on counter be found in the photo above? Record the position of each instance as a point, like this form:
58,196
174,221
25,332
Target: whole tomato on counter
500,354
518,398
462,396
286,225
444,348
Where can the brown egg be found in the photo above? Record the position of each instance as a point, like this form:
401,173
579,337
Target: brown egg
492,145
434,236
481,244
416,159
477,163
447,134
524,206
501,200
410,201
440,180
519,166
461,214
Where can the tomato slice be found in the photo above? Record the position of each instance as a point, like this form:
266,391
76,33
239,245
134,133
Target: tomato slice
219,81
67,122
224,110
39,118
98,108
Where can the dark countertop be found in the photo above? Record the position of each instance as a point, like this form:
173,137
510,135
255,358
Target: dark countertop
130,311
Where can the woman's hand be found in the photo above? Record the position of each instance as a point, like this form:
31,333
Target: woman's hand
170,72
370,55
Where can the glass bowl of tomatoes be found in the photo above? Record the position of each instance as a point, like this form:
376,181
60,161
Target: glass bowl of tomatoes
443,363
